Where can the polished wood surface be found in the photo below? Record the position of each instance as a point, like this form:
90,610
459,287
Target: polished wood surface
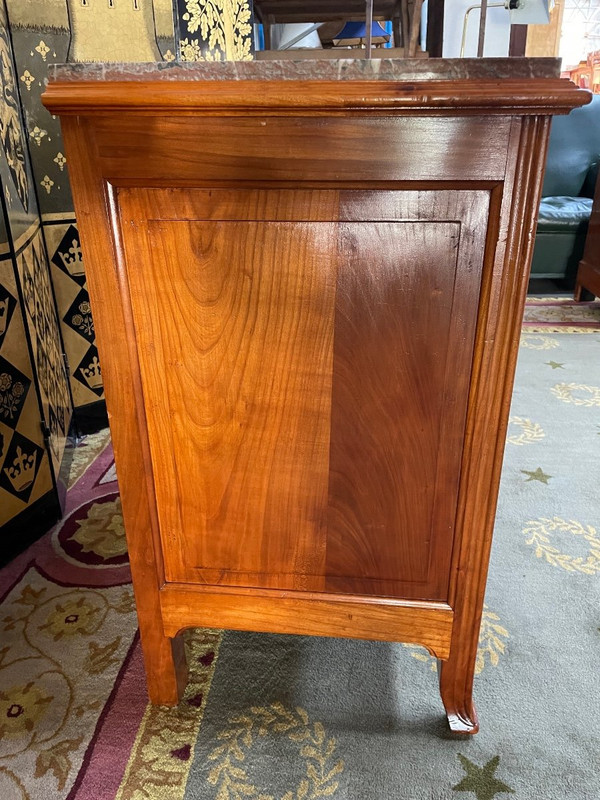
255,149
308,613
309,358
245,384
262,316
332,98
588,271
512,219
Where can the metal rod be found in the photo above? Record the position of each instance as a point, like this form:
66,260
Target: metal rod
482,20
466,21
369,26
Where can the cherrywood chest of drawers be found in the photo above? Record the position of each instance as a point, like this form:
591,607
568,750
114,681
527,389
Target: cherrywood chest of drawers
307,282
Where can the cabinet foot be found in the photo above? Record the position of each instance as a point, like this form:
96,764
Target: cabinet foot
166,670
461,722
456,689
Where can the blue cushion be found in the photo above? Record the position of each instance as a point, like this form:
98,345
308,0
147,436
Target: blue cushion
563,213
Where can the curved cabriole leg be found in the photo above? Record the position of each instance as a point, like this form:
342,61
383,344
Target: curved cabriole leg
166,668
456,689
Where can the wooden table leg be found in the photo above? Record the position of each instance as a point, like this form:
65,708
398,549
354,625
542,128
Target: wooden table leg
588,272
587,283
456,689
166,668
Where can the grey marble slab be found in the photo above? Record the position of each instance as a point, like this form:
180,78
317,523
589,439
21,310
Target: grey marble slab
384,69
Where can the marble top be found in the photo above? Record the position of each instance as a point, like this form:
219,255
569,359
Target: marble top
383,69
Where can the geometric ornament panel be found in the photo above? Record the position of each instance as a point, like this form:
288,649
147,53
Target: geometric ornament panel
42,322
79,316
7,307
77,324
68,256
88,371
14,386
20,468
24,468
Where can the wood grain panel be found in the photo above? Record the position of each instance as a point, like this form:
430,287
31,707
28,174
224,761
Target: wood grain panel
306,613
467,202
472,209
237,353
234,323
196,151
392,332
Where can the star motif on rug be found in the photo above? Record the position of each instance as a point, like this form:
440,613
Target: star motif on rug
481,780
555,364
536,475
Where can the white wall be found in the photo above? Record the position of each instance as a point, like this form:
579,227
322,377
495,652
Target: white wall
281,34
497,30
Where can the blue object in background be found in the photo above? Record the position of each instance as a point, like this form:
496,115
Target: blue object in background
358,30
388,29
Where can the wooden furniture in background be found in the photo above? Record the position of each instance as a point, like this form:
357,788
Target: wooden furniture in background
588,272
332,54
405,16
308,295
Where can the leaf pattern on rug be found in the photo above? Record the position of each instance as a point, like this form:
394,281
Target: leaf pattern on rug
539,533
57,759
560,315
492,644
567,393
531,432
101,657
232,778
162,753
538,342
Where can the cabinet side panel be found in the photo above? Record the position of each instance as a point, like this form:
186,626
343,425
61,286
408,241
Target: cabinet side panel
306,381
235,337
392,333
192,150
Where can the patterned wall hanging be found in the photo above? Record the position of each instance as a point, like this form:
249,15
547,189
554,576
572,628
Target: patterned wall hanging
35,402
24,467
215,30
55,31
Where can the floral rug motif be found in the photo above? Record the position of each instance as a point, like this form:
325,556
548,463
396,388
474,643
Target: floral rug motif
49,704
71,662
68,627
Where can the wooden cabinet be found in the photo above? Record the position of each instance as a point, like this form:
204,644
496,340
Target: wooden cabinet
588,271
308,296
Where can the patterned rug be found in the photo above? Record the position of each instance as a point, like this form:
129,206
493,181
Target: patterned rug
561,315
74,718
298,718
